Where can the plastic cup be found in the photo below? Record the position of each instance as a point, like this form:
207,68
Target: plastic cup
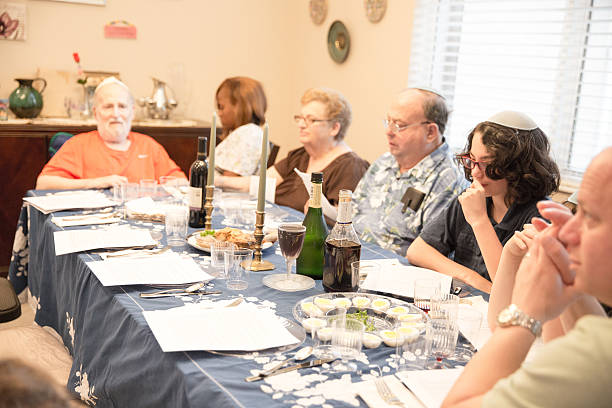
363,268
238,270
148,188
424,290
218,258
177,217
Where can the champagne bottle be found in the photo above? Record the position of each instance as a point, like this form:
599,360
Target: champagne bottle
342,248
310,261
198,174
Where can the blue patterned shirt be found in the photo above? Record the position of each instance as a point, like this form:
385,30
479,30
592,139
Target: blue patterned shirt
378,212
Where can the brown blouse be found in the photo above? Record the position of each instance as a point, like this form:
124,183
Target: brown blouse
341,174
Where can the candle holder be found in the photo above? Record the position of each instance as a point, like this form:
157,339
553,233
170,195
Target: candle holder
258,264
208,207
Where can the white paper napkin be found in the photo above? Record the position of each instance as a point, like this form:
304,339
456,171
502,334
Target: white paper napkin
430,386
368,392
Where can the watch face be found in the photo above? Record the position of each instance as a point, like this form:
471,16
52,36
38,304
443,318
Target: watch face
505,316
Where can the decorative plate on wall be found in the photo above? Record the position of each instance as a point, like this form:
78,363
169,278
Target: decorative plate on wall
318,11
375,9
338,42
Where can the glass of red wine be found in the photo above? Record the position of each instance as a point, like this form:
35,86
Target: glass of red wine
290,240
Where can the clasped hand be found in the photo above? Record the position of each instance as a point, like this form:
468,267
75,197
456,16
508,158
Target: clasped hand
474,204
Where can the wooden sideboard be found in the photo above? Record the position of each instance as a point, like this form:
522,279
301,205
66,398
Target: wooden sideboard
24,152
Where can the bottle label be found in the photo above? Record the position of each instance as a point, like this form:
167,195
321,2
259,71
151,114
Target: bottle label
315,195
195,198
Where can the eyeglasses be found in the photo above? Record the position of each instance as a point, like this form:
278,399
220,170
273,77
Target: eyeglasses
467,162
395,128
308,121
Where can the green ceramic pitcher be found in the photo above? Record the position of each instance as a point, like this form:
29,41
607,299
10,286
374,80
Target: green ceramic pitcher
26,101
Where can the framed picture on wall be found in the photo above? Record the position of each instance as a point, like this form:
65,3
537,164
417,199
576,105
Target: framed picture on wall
94,2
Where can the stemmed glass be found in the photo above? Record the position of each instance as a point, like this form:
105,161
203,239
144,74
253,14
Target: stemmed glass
290,240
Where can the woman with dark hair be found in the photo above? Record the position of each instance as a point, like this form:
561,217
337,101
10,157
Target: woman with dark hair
241,104
507,160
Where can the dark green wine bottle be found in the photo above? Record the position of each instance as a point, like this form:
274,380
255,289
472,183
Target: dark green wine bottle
310,261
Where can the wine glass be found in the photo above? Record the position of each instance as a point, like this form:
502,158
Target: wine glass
290,240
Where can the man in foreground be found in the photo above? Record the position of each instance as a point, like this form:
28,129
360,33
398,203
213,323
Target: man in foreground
110,155
415,180
564,268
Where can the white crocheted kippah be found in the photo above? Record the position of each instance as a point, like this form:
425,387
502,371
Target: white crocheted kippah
111,80
513,119
429,89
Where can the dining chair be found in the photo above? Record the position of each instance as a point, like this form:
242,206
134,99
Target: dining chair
274,148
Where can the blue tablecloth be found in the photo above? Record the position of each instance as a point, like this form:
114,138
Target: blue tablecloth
118,362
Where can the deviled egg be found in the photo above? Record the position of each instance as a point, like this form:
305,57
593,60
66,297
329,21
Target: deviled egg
391,338
408,334
397,311
324,304
313,323
342,302
311,309
361,302
371,340
410,318
325,333
380,305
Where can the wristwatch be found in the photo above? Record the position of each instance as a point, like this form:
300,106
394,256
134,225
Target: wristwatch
513,316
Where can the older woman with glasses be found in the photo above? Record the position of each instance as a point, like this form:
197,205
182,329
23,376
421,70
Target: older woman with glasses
323,121
507,160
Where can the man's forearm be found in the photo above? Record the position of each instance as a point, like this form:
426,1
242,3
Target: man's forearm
60,183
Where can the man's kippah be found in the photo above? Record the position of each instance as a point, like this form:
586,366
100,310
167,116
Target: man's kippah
429,89
111,80
513,119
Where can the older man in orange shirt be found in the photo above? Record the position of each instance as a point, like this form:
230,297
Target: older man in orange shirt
110,155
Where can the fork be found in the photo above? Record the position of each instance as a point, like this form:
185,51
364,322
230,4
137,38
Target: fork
385,392
143,252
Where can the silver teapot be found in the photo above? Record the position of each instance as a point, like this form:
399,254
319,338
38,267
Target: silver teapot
158,105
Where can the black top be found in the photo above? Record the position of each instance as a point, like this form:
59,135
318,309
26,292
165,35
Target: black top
451,233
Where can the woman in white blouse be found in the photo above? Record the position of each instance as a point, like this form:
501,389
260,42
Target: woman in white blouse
241,105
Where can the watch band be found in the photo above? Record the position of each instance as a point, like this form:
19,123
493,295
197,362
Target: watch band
513,316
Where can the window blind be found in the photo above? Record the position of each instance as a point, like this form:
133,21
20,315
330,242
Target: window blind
551,59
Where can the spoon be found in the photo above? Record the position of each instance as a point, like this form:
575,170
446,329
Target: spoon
302,354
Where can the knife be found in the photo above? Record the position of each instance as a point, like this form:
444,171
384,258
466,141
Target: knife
156,295
313,363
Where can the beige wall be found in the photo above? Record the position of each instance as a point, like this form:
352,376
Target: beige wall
195,44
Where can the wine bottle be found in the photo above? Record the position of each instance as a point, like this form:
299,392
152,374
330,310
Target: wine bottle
198,174
310,261
342,248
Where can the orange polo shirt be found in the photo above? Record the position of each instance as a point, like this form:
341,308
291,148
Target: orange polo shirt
86,156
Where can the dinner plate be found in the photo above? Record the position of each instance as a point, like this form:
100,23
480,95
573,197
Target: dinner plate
295,329
191,240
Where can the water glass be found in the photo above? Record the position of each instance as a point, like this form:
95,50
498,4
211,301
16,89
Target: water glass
424,290
119,192
412,353
361,269
469,321
443,329
217,258
238,268
177,217
322,336
132,191
168,186
346,342
148,188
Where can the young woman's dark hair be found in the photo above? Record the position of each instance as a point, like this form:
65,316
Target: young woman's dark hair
519,156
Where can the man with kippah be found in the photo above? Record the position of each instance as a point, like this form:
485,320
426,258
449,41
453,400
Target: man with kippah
110,155
412,183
